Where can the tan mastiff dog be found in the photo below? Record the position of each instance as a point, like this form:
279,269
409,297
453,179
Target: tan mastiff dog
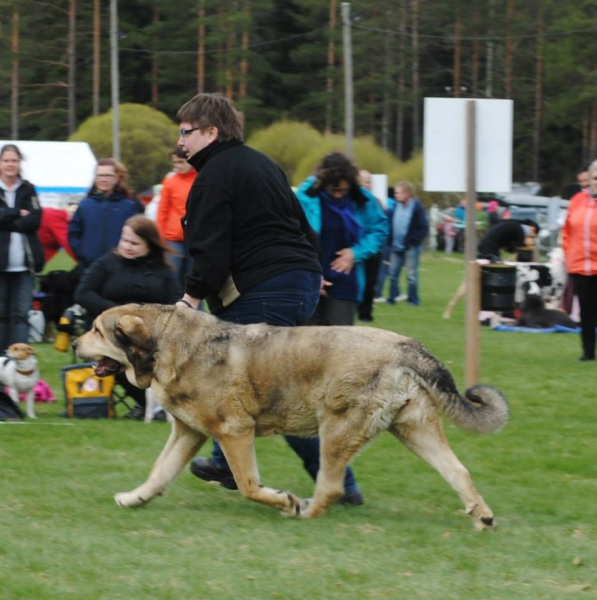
234,382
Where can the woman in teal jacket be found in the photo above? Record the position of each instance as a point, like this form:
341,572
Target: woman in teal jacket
351,227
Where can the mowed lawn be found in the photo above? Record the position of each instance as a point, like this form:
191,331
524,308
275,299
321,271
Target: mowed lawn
63,537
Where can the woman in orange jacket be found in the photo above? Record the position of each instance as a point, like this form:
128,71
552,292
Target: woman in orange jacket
579,241
172,207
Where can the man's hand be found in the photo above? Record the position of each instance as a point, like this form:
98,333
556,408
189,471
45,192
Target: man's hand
345,261
188,302
324,284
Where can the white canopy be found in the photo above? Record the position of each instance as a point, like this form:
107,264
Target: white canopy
60,171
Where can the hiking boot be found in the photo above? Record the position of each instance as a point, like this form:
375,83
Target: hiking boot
205,469
160,416
354,499
137,414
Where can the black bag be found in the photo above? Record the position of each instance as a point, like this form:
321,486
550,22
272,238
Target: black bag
9,411
87,396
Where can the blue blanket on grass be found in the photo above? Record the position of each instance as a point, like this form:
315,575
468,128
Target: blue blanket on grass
555,329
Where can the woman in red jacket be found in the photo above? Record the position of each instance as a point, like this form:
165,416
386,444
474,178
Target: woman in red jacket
579,240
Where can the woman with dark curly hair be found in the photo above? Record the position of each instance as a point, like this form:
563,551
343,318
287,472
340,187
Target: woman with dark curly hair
351,226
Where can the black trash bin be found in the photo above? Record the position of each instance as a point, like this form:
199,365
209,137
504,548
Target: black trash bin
498,287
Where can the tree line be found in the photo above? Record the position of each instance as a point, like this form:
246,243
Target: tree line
282,59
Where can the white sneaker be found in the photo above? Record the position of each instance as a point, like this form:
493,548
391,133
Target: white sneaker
379,299
401,298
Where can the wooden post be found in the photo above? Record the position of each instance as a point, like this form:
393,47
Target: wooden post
472,268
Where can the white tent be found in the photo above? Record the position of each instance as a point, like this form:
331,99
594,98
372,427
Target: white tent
60,171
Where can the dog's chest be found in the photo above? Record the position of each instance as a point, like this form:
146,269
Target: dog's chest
20,375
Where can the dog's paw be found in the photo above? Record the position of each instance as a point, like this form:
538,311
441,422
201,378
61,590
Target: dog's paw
128,499
295,506
482,518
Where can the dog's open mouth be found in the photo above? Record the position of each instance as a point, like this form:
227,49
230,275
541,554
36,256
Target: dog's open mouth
107,366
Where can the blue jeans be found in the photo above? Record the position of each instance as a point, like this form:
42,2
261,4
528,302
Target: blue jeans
383,272
398,259
16,295
288,299
181,260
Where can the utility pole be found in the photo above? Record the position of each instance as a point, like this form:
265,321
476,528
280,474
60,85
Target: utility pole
14,96
115,79
348,89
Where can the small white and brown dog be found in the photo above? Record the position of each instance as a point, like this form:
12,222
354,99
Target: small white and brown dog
19,373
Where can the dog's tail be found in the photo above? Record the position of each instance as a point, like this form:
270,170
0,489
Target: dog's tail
482,409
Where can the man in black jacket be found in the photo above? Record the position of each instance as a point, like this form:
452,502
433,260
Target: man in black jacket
254,256
508,235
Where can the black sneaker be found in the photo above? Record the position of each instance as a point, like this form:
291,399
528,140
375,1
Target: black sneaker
160,416
205,469
355,499
137,414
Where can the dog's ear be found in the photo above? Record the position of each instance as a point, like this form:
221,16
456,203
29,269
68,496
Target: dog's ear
132,333
30,350
134,330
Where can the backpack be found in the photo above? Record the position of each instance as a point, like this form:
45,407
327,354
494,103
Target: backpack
87,396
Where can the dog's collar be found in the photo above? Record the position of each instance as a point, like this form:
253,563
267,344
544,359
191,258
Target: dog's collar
26,373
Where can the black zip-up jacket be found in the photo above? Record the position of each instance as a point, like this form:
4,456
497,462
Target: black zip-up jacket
113,280
243,224
11,221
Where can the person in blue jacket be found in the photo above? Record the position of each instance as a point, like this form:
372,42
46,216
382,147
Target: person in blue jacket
351,227
96,225
408,229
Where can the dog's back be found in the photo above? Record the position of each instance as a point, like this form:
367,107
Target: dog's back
534,314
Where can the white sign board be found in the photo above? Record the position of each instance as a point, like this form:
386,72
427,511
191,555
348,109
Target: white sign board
379,188
444,145
60,171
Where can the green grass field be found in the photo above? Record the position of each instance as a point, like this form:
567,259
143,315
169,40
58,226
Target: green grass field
62,536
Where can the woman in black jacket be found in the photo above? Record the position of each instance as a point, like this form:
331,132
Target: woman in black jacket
136,271
21,254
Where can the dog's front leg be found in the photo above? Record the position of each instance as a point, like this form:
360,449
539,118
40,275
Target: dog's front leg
31,404
240,455
181,446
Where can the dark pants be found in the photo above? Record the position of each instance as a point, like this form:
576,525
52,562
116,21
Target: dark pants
372,266
286,300
330,311
585,287
137,394
16,296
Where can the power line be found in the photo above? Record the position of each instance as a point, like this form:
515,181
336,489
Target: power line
223,50
479,38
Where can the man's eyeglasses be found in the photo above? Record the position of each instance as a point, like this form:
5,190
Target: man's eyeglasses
185,132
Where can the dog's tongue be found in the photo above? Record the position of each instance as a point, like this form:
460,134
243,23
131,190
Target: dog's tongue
106,366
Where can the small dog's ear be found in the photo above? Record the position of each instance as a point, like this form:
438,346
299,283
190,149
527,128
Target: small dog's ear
30,350
135,330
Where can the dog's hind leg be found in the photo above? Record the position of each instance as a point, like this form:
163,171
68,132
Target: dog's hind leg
242,460
337,447
181,446
454,301
427,440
